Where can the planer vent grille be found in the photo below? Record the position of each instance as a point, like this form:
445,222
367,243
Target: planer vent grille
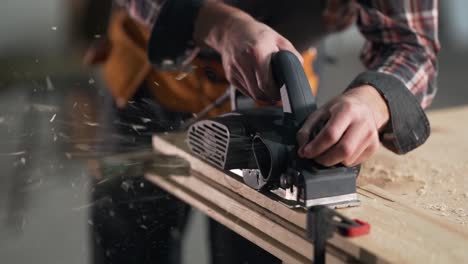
213,142
209,142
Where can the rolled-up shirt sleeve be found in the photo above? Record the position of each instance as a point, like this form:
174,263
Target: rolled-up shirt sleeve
400,54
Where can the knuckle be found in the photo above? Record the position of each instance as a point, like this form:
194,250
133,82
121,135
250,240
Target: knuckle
331,134
345,149
369,132
347,106
283,41
257,51
348,163
303,133
360,115
246,51
374,147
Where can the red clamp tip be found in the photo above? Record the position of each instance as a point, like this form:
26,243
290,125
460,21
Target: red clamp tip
362,229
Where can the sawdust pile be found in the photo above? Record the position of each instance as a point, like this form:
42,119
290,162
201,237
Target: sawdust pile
433,177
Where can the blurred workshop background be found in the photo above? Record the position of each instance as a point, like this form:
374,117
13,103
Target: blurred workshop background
45,190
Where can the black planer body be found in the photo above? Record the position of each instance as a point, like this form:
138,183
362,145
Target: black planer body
261,142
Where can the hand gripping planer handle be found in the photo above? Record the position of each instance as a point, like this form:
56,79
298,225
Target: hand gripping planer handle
274,149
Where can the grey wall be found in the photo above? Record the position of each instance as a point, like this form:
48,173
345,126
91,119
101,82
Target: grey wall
26,26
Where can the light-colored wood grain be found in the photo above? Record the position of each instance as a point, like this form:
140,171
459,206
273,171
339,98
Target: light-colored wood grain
401,232
433,177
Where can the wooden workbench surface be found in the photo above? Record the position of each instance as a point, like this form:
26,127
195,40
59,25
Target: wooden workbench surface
434,177
391,189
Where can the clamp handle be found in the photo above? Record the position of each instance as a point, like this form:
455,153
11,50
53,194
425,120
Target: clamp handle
323,222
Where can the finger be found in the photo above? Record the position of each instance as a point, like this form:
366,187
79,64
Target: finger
266,81
362,147
238,81
304,133
248,70
261,59
369,138
328,136
366,154
346,147
239,86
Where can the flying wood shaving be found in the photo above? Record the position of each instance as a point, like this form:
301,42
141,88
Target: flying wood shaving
91,124
53,118
50,86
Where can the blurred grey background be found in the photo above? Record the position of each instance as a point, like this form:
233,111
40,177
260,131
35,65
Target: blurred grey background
33,45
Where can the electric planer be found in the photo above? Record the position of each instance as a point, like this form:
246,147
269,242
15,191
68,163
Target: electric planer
259,144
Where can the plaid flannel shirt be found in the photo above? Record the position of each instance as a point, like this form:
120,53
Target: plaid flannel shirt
401,36
401,48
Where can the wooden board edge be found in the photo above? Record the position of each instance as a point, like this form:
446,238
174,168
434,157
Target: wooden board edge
181,187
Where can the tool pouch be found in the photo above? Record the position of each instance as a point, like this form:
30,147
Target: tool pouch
127,67
187,90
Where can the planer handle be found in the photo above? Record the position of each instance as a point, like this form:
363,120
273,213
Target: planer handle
296,94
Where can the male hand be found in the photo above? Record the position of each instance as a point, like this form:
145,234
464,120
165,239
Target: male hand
245,45
350,136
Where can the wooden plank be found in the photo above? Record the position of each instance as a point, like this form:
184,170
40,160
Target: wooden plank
400,233
254,223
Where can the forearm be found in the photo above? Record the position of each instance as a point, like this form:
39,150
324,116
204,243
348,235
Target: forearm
213,20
